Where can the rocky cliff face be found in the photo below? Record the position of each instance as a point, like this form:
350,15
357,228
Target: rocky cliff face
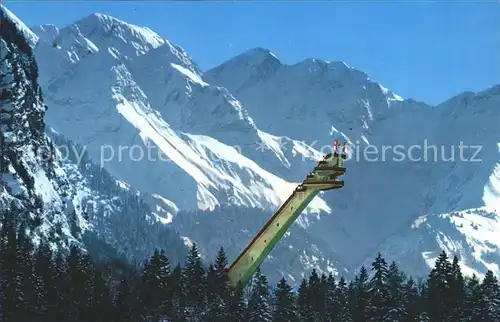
51,185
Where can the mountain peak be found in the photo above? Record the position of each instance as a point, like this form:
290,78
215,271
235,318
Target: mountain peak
260,52
316,64
256,57
105,21
254,65
102,18
99,27
31,38
323,63
312,61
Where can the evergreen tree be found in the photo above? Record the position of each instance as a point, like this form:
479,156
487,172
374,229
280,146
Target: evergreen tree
473,297
412,303
332,306
46,283
379,290
237,306
342,297
304,307
178,294
63,286
284,303
423,291
155,292
124,302
194,285
489,304
1,296
360,296
316,295
11,283
211,285
457,291
80,278
221,295
101,299
438,290
398,296
216,307
31,290
259,306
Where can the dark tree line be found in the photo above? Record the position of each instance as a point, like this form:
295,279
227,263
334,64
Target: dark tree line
40,284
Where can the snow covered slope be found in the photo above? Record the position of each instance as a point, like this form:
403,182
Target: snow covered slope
307,98
470,234
57,198
150,119
317,102
27,184
462,205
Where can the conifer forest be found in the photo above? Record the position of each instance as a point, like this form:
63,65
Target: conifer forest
39,284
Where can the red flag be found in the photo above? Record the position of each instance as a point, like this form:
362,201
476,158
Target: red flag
335,145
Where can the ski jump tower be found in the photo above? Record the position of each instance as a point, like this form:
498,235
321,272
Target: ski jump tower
323,178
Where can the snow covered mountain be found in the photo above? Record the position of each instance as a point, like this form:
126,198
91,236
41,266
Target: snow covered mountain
242,133
56,197
151,120
385,193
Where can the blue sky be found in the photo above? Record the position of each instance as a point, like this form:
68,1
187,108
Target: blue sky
428,51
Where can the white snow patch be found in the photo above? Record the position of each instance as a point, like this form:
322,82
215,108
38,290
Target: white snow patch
192,76
274,143
168,142
384,89
187,241
391,96
396,97
123,185
167,202
44,187
277,190
163,220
